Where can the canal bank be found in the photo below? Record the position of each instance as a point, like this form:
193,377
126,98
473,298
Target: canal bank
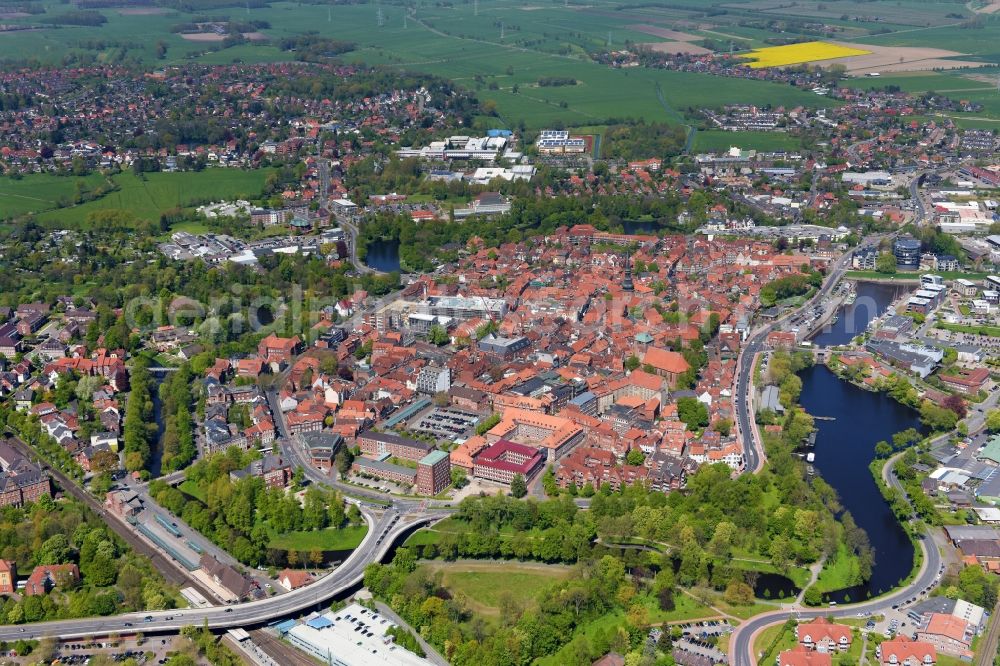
870,301
854,421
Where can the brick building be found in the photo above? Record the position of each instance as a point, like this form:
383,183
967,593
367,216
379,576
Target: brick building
433,473
378,443
504,460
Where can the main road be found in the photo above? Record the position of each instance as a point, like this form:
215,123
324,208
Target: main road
384,529
741,643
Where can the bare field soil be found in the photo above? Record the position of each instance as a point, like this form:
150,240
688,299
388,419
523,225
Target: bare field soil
676,47
665,33
216,37
899,59
991,8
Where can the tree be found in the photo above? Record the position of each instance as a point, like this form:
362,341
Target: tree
459,477
886,263
883,449
632,362
692,412
993,420
738,593
937,418
634,457
518,488
438,335
723,426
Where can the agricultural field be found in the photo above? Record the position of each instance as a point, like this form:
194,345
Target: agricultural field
796,54
501,48
150,195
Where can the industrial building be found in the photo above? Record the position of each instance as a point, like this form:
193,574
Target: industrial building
352,636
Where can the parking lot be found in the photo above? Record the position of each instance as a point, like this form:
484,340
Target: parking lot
446,423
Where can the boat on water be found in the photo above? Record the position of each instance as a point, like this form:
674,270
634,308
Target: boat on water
810,457
851,297
834,319
810,471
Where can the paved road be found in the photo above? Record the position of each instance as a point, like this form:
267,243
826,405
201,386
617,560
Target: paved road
741,644
384,529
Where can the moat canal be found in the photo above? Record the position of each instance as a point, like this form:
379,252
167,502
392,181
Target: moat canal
845,446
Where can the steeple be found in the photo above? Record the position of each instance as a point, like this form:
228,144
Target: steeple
627,282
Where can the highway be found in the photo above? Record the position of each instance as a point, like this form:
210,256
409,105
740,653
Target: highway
384,528
741,643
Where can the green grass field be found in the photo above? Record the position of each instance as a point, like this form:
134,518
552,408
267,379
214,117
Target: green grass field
150,195
345,538
193,489
839,572
484,583
717,140
991,331
35,193
457,42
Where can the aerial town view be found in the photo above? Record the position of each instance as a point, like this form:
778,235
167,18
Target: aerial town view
500,333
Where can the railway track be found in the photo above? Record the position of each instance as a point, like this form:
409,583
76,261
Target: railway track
169,569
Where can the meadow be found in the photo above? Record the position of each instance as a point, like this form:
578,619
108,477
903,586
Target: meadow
39,192
150,195
484,583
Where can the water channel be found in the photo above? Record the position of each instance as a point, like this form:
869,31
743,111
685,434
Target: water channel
872,298
845,446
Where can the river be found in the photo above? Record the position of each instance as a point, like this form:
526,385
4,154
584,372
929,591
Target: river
844,449
852,320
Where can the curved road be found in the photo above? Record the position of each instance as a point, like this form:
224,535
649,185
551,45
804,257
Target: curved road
741,643
382,533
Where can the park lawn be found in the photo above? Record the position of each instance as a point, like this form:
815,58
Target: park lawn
39,192
778,635
746,612
839,572
193,489
152,194
991,331
332,538
685,608
485,582
721,140
913,277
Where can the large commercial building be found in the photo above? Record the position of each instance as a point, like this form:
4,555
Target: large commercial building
352,636
907,252
458,307
559,141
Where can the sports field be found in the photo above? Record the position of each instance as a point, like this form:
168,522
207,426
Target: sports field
796,54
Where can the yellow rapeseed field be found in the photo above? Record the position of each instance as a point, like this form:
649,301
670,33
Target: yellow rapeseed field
794,54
